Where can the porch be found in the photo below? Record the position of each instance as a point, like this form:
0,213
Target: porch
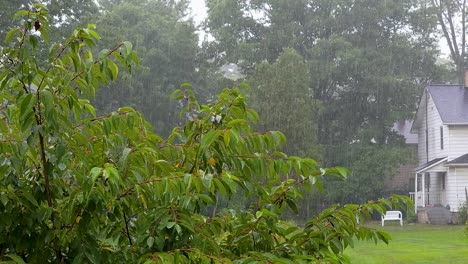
428,199
429,185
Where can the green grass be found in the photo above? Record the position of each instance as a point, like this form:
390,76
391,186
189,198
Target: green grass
414,244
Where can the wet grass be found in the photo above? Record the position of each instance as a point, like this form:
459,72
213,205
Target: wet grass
414,244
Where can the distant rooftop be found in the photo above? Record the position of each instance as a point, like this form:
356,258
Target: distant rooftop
403,128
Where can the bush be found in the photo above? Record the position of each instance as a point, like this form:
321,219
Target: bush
463,214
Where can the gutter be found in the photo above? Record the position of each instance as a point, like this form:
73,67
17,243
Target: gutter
455,124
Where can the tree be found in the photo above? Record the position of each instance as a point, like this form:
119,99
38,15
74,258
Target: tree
161,31
105,189
64,15
367,61
282,96
368,175
448,12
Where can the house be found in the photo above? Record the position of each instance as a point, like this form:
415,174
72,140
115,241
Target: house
441,123
403,181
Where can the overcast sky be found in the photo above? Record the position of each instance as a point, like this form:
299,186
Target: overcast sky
198,9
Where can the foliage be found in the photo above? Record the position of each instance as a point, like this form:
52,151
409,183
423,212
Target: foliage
452,18
368,171
463,213
363,65
65,15
77,187
281,94
160,30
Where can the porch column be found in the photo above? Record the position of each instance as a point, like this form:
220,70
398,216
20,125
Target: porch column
416,194
423,187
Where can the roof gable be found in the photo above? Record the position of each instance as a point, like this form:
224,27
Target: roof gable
403,128
462,160
433,163
451,102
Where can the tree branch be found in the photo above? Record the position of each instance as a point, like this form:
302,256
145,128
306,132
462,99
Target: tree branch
126,228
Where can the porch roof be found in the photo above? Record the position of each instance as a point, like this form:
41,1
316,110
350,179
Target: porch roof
460,161
431,165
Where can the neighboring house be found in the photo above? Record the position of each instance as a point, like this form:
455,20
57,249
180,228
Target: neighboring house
403,181
442,126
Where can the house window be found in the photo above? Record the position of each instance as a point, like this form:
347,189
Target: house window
411,183
442,179
427,181
441,137
419,183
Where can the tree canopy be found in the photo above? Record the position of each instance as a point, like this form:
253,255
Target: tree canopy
78,187
364,65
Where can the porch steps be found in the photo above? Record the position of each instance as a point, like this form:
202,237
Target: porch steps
435,215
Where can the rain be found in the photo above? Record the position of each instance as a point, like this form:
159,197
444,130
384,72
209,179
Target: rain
339,104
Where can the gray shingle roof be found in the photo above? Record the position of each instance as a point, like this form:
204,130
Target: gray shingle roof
460,160
451,102
403,128
429,164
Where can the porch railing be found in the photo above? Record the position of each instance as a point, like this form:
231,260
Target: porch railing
432,198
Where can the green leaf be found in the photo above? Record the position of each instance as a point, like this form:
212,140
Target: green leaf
11,33
236,122
207,180
227,137
292,204
26,107
44,34
209,138
150,242
114,70
384,236
47,100
94,173
33,40
20,14
93,33
30,198
16,258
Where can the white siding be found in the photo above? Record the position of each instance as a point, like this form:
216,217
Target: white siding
458,141
457,181
434,122
422,145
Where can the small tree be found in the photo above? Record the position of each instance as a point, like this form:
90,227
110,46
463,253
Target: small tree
76,187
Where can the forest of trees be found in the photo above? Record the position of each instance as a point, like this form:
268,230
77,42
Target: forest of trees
332,75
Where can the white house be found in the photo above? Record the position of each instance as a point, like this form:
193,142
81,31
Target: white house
441,122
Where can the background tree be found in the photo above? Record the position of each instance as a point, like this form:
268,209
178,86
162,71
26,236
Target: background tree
366,61
451,15
166,35
65,15
281,94
76,186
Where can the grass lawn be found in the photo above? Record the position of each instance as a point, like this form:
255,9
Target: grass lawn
415,243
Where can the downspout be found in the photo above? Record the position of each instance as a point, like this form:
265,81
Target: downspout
427,129
416,194
423,184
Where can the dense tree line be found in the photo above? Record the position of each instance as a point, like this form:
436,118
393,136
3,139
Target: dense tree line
334,75
77,186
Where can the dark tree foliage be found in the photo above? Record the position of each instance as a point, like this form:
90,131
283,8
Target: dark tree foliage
78,187
65,15
367,62
162,31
